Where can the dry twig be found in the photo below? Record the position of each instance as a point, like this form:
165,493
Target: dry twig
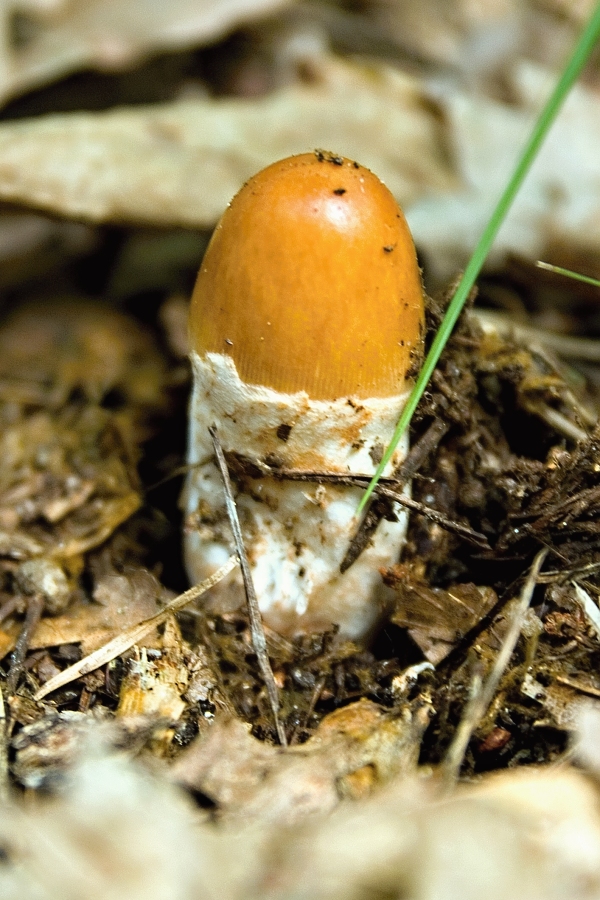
483,692
35,608
402,474
259,642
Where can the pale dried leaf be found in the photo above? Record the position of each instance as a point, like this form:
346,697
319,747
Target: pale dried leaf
180,164
354,749
155,687
528,833
560,199
133,634
114,832
560,704
56,37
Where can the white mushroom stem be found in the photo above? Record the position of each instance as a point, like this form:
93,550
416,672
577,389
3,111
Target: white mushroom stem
296,534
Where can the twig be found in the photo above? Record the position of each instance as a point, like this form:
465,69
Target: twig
317,691
463,530
259,642
483,693
132,635
35,607
387,487
556,420
402,474
578,685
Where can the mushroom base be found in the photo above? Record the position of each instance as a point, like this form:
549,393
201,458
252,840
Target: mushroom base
296,534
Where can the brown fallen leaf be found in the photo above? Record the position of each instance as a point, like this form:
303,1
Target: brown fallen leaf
436,618
136,633
68,480
121,601
560,703
449,226
50,349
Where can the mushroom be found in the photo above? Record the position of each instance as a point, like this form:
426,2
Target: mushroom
305,325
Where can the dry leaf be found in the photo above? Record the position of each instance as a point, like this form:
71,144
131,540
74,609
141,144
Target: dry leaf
121,601
354,748
49,350
155,687
180,164
561,704
46,39
532,833
559,202
68,475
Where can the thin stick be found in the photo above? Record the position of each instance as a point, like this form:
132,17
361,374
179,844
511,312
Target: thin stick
35,607
483,693
565,345
439,518
415,458
259,642
387,487
132,635
589,607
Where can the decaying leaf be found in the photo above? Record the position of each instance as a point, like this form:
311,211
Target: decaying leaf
560,704
67,481
50,350
531,833
68,477
436,618
155,687
45,40
180,164
353,749
559,202
121,600
46,747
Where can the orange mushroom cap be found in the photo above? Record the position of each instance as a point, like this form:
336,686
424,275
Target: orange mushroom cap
311,282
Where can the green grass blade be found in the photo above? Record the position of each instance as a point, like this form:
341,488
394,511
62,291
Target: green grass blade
568,273
570,74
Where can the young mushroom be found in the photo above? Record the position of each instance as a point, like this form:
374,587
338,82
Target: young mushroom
305,326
